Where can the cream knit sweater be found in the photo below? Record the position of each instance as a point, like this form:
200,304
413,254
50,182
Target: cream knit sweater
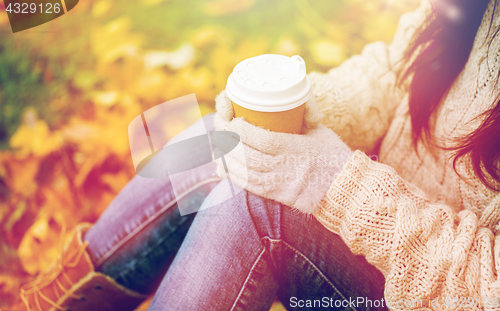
432,234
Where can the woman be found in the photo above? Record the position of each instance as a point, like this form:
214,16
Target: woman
415,230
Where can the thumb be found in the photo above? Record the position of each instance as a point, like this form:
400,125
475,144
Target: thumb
313,115
224,107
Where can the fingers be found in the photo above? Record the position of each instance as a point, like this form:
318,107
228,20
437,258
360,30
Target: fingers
272,143
230,146
238,174
258,138
259,161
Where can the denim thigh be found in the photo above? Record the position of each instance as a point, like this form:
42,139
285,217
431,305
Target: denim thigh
240,254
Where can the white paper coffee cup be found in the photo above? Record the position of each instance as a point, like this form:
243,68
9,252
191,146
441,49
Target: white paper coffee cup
270,91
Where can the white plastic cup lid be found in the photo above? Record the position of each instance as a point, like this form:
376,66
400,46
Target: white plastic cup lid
269,83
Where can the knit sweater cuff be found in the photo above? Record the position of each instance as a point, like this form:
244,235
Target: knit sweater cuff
424,250
360,207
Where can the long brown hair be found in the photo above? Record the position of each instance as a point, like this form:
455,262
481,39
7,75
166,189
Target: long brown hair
440,49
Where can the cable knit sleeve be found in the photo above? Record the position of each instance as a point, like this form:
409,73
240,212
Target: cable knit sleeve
359,97
427,253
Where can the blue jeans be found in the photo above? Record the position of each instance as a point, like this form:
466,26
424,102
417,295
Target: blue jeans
238,255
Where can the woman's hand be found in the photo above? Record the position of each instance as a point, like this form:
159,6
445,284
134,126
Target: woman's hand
296,170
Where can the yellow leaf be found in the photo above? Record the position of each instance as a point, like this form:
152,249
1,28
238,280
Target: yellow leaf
106,98
287,46
101,8
197,80
177,59
222,60
252,47
34,137
208,35
151,2
227,7
113,41
118,25
327,53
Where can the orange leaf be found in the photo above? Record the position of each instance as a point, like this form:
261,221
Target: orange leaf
39,247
